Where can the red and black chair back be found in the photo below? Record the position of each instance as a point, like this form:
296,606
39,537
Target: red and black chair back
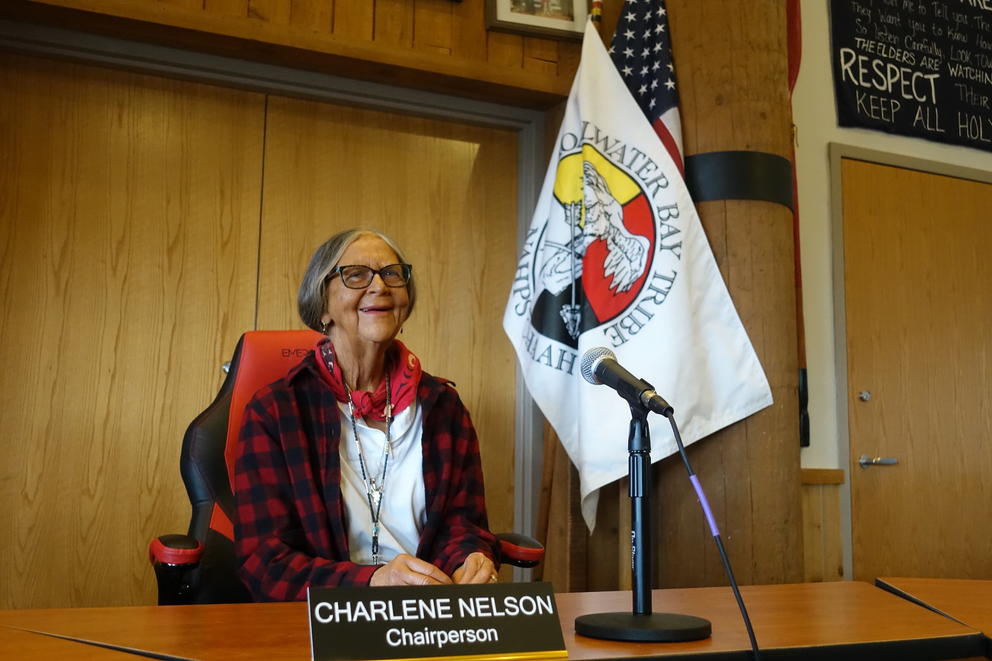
200,567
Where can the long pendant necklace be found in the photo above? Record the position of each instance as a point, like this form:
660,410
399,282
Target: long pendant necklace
373,488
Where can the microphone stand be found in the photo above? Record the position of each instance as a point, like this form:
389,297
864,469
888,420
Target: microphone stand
641,624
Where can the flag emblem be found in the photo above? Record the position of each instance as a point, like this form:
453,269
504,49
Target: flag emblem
594,255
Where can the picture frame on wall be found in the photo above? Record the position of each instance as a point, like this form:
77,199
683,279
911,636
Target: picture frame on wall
553,19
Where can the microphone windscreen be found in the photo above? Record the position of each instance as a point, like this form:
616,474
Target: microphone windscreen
590,359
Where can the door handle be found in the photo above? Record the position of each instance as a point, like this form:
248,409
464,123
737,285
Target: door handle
865,461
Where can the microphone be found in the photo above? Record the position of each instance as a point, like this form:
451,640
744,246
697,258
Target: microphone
600,366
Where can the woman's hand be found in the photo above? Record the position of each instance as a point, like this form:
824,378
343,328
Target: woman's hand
477,568
407,570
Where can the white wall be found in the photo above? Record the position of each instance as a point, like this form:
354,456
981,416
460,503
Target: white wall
815,116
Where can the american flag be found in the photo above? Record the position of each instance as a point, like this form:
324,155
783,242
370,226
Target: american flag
642,52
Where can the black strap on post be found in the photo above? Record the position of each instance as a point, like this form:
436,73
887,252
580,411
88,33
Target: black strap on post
739,175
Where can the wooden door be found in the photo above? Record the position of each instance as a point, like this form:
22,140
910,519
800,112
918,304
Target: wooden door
918,291
447,193
128,251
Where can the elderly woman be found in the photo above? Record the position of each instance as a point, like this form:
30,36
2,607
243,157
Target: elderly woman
358,468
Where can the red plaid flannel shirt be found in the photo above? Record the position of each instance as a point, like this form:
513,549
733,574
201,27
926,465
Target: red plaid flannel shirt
290,528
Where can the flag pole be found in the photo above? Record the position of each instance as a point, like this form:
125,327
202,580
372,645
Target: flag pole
596,15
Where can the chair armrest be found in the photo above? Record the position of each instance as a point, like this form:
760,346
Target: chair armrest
176,560
520,550
175,550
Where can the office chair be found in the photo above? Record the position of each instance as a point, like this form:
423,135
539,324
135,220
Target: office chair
200,567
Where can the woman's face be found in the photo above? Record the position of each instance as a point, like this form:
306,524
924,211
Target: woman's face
374,314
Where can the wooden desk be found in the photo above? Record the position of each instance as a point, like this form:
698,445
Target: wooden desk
837,620
842,620
17,644
967,601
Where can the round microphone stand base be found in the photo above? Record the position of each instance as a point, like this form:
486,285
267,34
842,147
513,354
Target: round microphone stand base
655,628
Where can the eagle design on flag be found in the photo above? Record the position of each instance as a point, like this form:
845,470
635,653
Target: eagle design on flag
599,217
626,253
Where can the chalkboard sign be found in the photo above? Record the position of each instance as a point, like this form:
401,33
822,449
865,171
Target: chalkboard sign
915,67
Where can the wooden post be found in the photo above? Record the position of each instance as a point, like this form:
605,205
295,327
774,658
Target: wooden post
731,63
732,72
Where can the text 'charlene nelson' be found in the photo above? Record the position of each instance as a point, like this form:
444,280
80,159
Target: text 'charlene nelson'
443,608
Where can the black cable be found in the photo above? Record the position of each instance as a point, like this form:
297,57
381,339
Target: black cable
716,536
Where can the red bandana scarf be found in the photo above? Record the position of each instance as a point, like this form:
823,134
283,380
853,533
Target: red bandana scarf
404,377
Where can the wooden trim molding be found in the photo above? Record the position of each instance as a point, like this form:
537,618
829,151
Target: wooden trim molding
283,45
822,475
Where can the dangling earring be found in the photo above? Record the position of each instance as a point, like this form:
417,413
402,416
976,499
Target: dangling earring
323,328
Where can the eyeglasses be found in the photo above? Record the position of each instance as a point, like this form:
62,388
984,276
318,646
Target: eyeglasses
356,276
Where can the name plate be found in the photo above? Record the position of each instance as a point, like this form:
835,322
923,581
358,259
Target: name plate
492,621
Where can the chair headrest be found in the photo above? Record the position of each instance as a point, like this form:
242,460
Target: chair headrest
261,358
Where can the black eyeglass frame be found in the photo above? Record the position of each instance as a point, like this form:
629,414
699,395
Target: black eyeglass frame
406,270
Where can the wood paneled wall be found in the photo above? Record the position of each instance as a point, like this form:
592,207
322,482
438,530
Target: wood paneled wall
437,45
145,224
128,250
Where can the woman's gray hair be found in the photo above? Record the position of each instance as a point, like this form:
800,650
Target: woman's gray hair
311,299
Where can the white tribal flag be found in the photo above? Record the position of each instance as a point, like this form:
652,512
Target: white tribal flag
616,257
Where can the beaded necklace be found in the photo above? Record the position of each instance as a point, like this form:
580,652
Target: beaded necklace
373,488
